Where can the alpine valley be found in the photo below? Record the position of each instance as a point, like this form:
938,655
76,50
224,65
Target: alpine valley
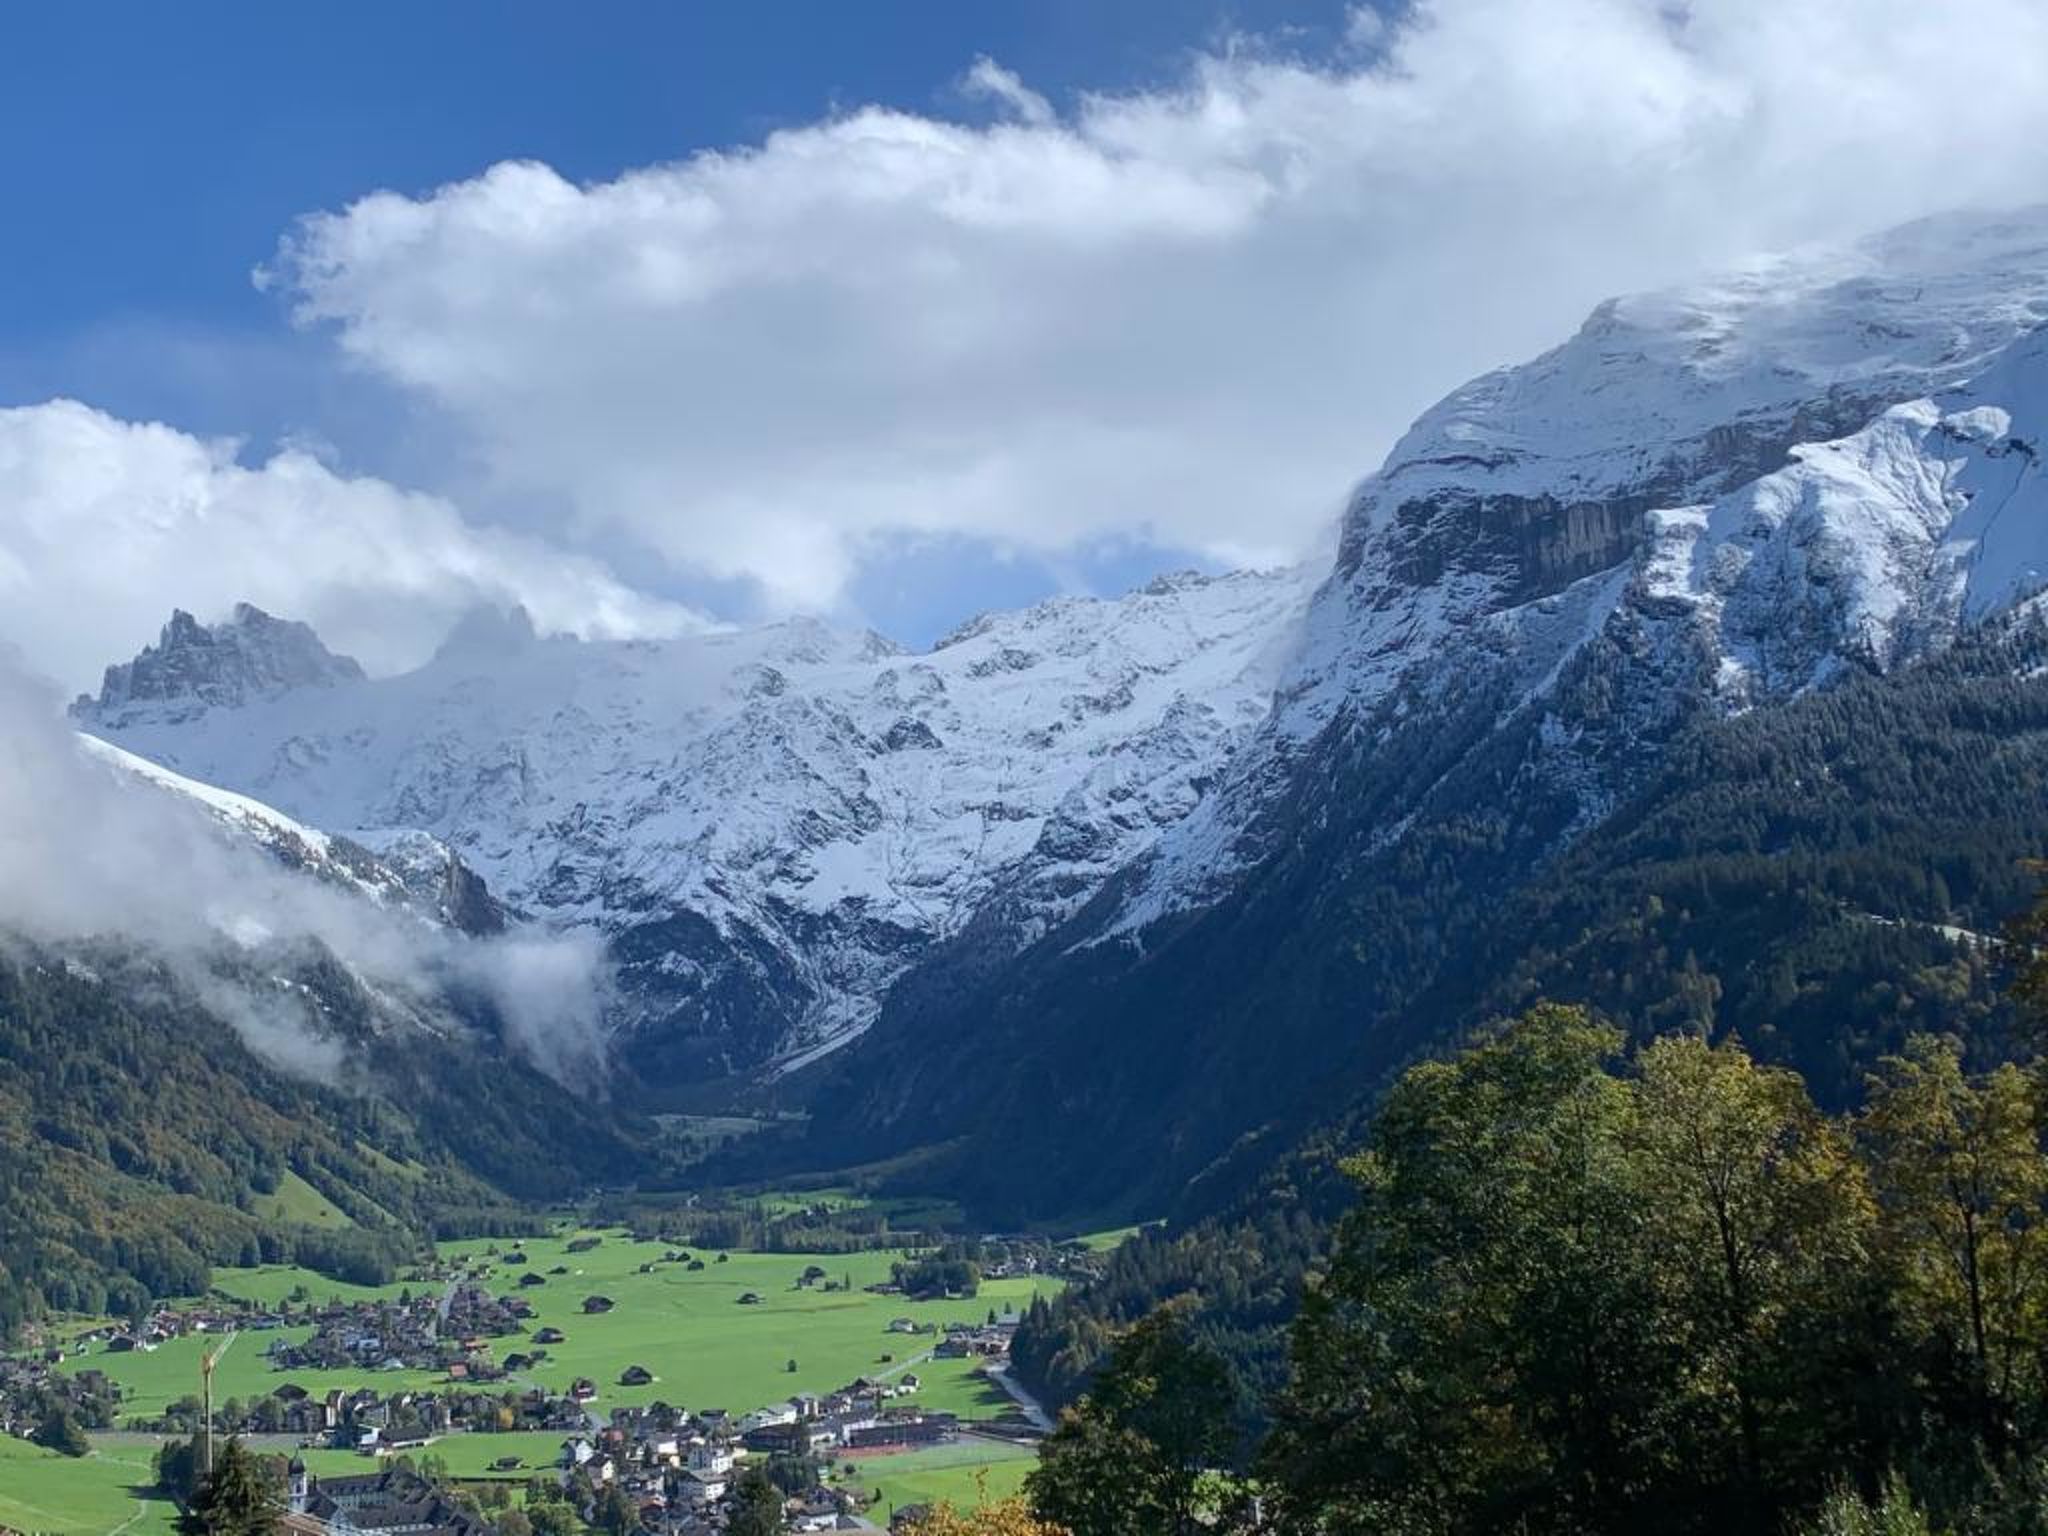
1691,670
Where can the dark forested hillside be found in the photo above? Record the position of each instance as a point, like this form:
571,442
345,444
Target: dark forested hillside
1820,880
1810,875
142,1142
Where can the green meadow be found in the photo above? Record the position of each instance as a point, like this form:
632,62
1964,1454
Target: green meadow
705,1347
42,1492
468,1456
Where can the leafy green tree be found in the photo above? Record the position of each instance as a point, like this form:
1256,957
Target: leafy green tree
1893,1512
1757,1219
614,1512
238,1499
1486,1352
177,1467
1133,1452
553,1517
58,1430
1962,1184
756,1506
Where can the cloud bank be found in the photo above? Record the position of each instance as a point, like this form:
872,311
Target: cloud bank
1189,317
106,524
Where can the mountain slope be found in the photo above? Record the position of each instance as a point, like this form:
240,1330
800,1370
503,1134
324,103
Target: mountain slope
1562,571
769,826
408,871
1818,877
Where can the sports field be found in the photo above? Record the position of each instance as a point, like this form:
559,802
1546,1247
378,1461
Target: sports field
962,1474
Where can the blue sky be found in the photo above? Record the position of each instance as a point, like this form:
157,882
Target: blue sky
1107,287
174,144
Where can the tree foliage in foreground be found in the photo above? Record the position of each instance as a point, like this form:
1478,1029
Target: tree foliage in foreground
1132,1455
1586,1293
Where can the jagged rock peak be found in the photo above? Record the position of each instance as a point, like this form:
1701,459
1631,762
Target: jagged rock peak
193,667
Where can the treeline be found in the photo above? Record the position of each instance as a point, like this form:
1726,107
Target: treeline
1239,1282
1587,1291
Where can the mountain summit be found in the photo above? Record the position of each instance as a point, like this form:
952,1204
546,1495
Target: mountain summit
194,667
1708,502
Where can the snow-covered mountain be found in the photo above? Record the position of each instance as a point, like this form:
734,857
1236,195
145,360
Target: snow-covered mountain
406,871
1707,503
1707,500
768,825
1706,497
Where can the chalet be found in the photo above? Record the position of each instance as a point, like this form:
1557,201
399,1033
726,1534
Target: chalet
549,1336
597,1304
750,1298
583,1389
635,1376
530,1279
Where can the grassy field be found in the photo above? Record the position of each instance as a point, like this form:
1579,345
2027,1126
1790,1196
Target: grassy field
41,1491
960,1473
467,1456
296,1200
705,1348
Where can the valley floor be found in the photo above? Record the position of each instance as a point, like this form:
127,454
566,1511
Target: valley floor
688,1328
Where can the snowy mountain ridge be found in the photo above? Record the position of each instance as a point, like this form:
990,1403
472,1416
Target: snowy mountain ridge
407,872
771,824
1722,492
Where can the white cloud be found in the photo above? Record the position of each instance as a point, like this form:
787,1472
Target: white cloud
1190,316
108,523
988,80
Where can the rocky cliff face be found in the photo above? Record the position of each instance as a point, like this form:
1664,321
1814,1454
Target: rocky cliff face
1707,502
195,667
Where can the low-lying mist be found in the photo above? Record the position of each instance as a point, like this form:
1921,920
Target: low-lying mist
90,853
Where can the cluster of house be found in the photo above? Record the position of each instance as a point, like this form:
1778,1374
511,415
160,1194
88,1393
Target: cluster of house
378,1423
445,1331
29,1387
677,1467
988,1340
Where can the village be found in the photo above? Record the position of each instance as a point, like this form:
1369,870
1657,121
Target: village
474,1327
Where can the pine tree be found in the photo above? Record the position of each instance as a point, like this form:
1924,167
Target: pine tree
238,1499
